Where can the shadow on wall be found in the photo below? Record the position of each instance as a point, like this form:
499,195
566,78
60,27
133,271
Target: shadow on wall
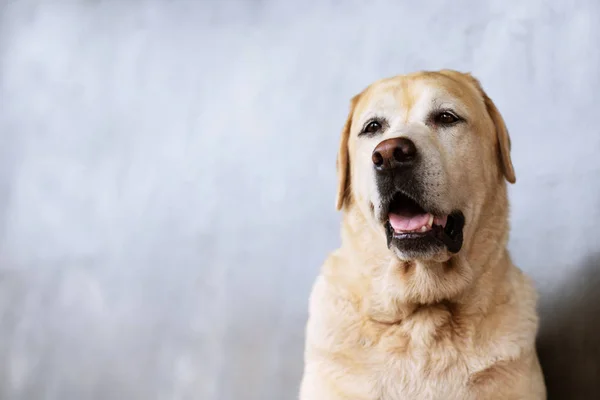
569,339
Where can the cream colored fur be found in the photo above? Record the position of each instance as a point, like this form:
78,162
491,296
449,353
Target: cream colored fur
450,326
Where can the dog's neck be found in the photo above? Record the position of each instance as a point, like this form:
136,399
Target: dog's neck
396,288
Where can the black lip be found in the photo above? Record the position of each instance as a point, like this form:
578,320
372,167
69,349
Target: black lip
451,236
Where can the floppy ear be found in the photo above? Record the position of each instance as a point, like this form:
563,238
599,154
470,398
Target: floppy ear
343,159
501,134
503,139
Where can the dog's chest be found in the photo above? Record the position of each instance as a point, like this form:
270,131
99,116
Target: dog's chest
422,359
427,374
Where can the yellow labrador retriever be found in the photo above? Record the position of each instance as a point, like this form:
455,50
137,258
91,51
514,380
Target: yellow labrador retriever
422,301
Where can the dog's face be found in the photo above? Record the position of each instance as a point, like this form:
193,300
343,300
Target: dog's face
420,155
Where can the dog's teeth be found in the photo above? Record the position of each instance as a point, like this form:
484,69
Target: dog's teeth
430,222
424,228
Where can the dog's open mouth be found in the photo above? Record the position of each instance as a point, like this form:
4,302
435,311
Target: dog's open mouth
408,221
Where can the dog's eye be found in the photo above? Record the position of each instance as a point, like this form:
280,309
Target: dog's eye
372,127
446,118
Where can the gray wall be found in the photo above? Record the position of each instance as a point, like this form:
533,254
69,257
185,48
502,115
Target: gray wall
167,180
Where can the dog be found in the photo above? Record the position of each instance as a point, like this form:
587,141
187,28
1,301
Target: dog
421,300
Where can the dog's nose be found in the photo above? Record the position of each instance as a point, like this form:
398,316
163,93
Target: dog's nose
394,153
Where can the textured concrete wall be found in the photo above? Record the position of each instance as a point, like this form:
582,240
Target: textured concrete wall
167,180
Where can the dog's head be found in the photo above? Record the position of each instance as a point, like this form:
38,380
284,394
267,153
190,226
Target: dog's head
419,157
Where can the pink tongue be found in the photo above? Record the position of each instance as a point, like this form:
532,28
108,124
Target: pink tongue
407,223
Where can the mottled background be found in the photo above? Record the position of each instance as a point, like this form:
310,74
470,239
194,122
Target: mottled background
167,180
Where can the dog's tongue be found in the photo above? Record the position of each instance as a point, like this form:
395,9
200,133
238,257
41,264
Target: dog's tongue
408,223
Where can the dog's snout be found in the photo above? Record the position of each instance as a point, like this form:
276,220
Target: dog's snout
394,153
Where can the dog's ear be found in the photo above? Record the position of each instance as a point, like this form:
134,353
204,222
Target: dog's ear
501,133
343,159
